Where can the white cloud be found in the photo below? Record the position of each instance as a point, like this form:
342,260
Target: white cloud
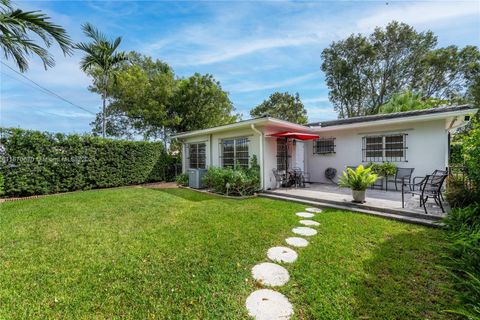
248,86
419,13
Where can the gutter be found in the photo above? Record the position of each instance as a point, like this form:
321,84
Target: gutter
261,160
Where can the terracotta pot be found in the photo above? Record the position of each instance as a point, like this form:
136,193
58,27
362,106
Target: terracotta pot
358,196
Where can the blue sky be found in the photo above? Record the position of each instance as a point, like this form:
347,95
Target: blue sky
253,48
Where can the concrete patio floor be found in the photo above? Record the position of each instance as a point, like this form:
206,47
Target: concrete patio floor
390,201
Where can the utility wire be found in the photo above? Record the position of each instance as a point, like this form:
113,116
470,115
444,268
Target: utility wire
47,91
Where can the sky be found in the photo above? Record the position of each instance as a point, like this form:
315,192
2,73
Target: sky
253,48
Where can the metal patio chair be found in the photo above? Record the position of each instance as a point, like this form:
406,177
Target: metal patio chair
429,187
280,178
402,175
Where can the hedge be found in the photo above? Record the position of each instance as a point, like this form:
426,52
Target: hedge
40,163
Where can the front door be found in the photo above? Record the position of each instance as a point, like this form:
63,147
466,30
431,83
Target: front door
300,155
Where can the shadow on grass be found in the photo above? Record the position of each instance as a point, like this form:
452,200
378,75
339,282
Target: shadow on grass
188,195
404,279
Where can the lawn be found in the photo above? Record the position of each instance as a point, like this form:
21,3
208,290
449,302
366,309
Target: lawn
178,254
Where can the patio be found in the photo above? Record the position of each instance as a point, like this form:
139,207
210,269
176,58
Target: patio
377,200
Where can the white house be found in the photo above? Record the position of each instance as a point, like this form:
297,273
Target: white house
414,139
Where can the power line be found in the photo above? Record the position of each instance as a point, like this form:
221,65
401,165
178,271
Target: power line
47,91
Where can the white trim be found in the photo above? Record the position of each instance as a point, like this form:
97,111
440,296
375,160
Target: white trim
246,124
423,117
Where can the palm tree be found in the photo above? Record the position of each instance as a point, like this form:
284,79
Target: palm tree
17,27
100,59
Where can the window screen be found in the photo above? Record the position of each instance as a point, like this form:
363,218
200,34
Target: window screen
324,146
385,148
196,155
235,152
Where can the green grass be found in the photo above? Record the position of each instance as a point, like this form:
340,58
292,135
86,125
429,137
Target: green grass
177,254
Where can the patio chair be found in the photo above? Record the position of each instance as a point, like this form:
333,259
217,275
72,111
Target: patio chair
302,177
435,172
429,187
280,178
402,175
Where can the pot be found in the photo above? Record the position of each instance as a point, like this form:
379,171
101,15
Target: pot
358,196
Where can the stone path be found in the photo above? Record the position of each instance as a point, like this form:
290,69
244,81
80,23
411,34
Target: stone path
267,304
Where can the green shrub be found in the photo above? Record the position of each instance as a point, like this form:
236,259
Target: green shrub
40,163
460,193
182,179
2,191
463,225
359,179
385,169
234,182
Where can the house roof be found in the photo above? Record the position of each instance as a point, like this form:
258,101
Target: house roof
262,121
378,117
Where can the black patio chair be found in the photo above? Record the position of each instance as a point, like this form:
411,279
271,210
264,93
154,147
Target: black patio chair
301,177
280,178
429,187
402,175
435,172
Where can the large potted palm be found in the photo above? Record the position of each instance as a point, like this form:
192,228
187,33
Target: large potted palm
358,180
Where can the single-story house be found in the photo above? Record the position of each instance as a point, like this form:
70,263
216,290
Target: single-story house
414,139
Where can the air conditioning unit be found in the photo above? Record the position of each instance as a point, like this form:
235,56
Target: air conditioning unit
195,177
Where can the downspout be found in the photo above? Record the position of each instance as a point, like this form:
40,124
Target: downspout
261,160
211,152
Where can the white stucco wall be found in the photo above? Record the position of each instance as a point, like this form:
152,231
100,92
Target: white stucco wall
427,144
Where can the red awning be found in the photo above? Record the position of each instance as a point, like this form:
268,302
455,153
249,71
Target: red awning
296,135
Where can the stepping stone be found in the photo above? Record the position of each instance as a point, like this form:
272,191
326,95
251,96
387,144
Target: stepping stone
305,214
310,223
270,274
266,304
304,231
282,254
315,210
296,242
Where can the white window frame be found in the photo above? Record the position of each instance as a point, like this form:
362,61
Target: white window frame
197,156
243,160
383,149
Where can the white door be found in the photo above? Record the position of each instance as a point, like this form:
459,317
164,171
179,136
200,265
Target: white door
300,155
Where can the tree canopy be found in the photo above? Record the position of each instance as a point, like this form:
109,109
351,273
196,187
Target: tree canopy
199,102
363,72
282,106
147,99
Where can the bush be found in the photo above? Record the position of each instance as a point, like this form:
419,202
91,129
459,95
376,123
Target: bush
40,163
234,182
459,192
182,179
463,225
385,169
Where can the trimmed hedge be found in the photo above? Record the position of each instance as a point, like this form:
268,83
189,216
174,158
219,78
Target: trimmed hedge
40,163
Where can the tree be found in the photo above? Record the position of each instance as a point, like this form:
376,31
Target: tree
141,98
199,102
363,72
100,61
282,106
17,27
407,101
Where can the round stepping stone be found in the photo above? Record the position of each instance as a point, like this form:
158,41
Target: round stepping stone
266,304
296,242
270,274
310,223
305,214
282,254
304,231
314,210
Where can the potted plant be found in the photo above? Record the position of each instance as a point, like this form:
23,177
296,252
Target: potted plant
358,180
